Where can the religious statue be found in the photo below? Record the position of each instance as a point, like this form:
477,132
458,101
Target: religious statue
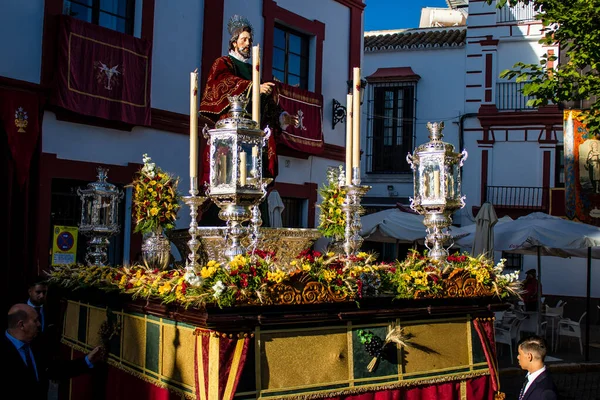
232,75
592,165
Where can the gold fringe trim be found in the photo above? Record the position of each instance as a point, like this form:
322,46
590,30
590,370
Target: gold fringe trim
137,374
209,333
371,388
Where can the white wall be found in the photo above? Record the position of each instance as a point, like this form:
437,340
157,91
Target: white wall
86,143
440,97
21,24
177,50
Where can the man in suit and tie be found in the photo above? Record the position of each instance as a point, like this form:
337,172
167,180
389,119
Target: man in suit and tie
38,296
538,384
27,370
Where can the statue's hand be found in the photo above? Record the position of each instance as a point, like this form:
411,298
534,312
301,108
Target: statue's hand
290,119
266,88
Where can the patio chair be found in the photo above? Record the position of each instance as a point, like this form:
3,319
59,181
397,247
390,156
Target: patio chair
567,327
559,309
508,334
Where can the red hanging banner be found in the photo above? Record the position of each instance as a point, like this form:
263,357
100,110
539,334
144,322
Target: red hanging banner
308,107
20,115
103,73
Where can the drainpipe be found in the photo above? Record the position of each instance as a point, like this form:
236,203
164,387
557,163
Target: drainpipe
461,129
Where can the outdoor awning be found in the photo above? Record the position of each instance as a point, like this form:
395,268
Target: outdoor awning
396,74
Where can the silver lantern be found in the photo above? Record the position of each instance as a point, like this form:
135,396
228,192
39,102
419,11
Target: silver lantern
236,184
99,216
437,188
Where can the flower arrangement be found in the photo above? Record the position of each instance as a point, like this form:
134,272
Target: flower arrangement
332,220
155,198
253,278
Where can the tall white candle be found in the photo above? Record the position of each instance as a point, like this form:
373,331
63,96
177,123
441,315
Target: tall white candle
256,84
356,119
243,168
349,139
436,183
194,124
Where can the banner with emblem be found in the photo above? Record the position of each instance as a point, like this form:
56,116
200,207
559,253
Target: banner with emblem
20,116
103,73
582,170
307,136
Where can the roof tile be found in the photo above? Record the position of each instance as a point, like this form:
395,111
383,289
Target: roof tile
416,38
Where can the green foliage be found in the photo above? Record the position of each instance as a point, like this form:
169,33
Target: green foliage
574,24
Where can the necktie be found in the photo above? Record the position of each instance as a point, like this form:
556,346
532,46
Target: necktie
29,361
522,392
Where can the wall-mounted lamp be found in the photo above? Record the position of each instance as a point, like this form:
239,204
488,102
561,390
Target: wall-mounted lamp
390,187
339,111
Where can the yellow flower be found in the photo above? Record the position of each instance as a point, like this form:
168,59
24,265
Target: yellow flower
306,267
152,182
362,254
207,272
164,289
276,276
153,211
123,280
212,263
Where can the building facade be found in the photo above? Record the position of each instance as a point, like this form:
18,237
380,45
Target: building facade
515,151
309,45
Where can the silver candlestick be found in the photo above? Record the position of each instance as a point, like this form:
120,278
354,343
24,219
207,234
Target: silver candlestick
194,202
353,210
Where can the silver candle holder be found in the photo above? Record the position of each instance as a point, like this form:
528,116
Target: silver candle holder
194,202
353,210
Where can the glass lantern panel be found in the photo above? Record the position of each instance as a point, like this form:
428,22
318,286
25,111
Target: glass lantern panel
88,210
222,165
430,176
248,164
452,181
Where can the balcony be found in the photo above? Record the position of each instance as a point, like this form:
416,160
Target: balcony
518,13
517,200
509,96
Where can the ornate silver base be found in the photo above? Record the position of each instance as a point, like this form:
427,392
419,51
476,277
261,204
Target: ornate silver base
353,241
194,202
97,251
437,234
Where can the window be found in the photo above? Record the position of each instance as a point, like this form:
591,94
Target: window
292,215
113,14
559,170
393,122
290,57
514,262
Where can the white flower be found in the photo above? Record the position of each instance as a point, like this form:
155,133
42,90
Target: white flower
146,159
218,288
193,279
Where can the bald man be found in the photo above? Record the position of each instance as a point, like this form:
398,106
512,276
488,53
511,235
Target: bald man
26,370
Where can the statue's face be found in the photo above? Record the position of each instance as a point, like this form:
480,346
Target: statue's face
243,44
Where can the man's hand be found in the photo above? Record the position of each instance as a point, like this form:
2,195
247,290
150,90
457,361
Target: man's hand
266,88
289,119
286,119
96,355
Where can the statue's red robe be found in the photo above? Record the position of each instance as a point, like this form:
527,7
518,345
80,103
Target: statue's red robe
230,77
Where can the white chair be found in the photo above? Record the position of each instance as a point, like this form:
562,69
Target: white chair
559,309
507,334
567,327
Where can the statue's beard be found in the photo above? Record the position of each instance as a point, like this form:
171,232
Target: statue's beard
244,52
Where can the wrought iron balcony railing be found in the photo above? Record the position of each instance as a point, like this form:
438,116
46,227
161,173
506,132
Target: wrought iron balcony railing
518,13
509,96
521,197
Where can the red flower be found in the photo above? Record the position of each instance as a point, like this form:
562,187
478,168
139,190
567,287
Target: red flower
129,286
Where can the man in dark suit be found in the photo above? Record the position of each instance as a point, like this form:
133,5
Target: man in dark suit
27,370
538,384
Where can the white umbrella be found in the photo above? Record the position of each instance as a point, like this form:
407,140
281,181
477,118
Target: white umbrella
396,226
547,235
276,207
485,220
